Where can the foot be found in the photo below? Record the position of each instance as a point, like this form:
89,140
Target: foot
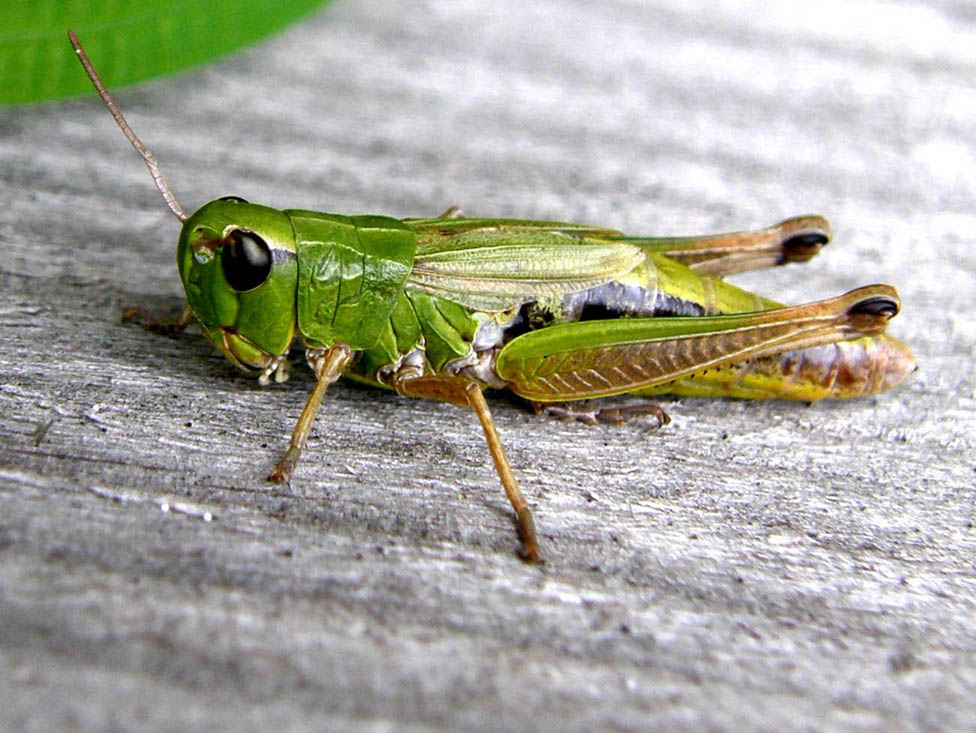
610,415
165,328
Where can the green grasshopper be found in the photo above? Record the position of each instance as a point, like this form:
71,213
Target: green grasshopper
444,308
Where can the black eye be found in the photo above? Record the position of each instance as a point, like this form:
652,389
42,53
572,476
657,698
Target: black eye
235,199
246,260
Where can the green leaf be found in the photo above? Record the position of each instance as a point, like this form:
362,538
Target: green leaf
128,40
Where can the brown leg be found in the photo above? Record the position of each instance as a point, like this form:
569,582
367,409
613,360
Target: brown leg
793,240
328,364
466,393
611,414
166,328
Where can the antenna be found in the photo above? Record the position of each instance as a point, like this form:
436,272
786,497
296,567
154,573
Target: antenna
146,153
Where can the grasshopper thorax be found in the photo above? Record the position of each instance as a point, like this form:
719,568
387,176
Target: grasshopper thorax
239,269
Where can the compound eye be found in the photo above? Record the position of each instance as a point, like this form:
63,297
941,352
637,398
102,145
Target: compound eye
246,260
233,199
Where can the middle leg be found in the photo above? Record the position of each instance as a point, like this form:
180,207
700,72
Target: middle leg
467,393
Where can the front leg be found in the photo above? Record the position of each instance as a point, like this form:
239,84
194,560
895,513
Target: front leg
327,364
467,393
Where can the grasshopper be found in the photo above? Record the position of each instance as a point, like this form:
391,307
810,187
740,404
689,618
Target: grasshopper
447,307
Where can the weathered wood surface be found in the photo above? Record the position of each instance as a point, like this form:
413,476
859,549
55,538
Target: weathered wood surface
753,565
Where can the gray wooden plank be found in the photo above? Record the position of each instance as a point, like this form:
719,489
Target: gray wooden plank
753,565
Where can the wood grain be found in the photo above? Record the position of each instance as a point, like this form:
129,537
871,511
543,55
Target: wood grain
750,566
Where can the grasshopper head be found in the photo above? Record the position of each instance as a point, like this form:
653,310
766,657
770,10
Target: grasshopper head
239,270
